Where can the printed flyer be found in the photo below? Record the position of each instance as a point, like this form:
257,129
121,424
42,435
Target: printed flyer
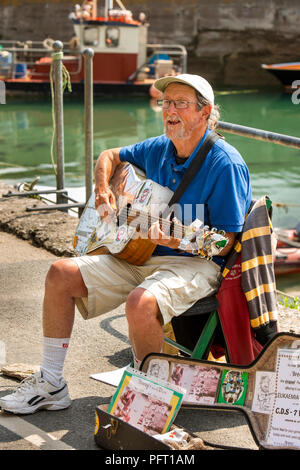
233,387
147,403
284,423
264,392
201,383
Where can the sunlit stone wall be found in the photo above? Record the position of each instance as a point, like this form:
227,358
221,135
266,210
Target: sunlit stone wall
227,40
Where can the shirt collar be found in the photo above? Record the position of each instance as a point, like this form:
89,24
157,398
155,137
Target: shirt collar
172,151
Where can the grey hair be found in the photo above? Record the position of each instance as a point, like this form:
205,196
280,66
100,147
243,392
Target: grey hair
213,118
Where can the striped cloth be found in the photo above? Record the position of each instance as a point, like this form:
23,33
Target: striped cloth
256,245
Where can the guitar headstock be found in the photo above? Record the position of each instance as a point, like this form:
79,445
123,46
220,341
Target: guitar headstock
202,240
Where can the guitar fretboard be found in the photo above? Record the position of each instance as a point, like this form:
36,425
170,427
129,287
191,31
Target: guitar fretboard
142,221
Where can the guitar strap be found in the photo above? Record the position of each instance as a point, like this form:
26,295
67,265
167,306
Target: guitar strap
192,169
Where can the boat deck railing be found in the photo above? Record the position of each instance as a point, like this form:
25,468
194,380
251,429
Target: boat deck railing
28,52
174,51
25,46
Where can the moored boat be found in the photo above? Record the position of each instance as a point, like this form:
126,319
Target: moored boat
287,261
287,257
123,60
288,237
287,73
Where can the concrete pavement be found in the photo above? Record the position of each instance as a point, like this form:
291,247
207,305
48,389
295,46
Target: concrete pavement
97,345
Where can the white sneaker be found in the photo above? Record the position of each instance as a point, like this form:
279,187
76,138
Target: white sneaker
35,393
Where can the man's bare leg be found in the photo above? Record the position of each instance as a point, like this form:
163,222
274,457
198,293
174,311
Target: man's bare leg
63,283
144,323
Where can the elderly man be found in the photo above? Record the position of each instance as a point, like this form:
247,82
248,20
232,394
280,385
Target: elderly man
171,280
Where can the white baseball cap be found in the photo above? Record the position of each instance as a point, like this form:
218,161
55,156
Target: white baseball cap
195,81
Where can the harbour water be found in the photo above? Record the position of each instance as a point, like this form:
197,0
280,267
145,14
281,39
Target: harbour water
26,129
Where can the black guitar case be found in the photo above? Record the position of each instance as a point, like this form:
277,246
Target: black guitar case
266,392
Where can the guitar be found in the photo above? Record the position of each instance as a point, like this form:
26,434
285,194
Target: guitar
139,203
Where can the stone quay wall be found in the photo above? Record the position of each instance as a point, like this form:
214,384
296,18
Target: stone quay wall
227,40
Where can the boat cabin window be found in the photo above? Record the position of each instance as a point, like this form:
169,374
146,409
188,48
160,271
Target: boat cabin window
90,36
112,36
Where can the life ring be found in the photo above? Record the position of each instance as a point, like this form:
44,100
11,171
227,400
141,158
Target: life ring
48,43
74,43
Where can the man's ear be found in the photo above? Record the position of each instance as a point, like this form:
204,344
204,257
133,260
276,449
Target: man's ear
206,110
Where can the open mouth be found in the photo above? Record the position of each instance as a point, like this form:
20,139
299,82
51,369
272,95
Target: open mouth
173,122
174,127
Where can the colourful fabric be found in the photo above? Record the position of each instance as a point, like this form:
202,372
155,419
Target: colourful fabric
233,312
247,296
257,257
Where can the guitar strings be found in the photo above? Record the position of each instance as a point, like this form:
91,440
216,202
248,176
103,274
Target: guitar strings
145,216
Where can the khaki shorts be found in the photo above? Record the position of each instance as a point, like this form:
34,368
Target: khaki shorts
177,282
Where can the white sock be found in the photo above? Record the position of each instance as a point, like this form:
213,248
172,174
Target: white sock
136,362
54,353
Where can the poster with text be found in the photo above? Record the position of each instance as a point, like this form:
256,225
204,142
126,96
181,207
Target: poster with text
284,423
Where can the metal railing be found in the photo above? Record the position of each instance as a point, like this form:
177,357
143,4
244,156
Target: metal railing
259,134
61,193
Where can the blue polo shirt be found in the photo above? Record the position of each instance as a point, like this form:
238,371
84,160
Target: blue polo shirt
221,186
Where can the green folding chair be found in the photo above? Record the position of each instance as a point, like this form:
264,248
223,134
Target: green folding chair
195,329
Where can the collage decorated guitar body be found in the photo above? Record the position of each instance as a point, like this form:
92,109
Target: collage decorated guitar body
139,203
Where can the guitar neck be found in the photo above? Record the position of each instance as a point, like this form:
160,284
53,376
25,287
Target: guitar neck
142,221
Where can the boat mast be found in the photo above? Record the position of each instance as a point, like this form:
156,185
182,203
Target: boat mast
108,6
95,9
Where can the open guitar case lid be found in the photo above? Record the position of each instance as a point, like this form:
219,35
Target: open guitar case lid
114,434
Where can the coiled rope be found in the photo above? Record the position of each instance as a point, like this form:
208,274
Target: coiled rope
66,82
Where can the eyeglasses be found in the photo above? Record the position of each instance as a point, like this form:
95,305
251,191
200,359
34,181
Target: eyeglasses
179,104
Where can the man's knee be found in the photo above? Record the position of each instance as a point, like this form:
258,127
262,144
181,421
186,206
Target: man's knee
58,271
141,305
65,274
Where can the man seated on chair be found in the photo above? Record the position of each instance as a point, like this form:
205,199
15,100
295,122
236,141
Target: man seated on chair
172,280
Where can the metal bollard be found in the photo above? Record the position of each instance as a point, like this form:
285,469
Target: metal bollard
59,118
88,120
2,92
